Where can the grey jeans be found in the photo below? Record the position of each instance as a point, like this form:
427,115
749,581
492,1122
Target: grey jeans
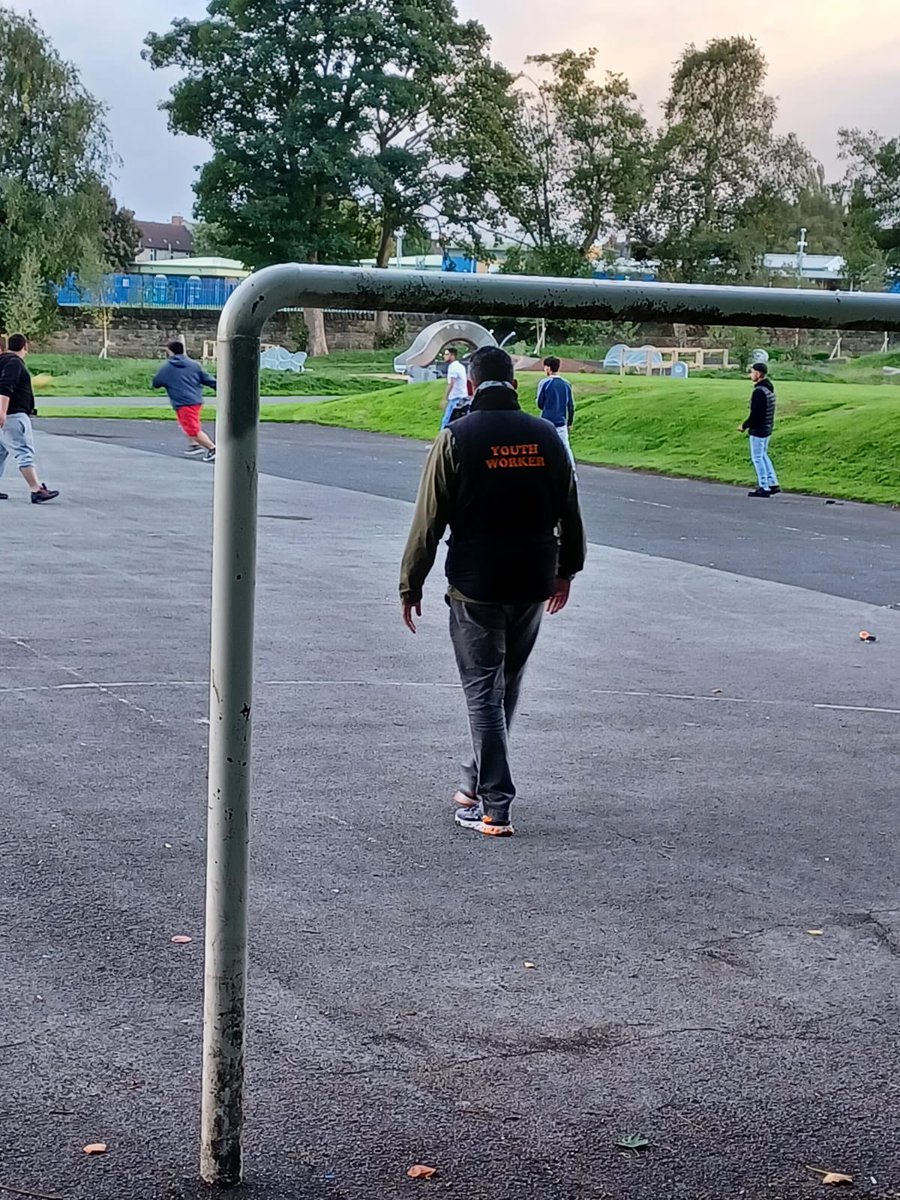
492,644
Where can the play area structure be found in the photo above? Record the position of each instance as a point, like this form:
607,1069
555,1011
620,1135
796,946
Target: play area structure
417,363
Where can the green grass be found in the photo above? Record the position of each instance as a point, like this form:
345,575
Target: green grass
77,375
831,438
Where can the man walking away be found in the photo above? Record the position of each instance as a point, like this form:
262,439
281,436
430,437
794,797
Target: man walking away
759,426
16,410
457,398
184,381
556,402
502,482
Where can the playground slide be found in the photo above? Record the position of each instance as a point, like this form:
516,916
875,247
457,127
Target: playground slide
432,340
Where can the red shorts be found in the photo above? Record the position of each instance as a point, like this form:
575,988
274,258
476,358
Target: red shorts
189,419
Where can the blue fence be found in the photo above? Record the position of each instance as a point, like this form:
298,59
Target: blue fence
148,291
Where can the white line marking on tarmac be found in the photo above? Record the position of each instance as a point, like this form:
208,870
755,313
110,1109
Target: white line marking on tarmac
649,503
859,708
633,693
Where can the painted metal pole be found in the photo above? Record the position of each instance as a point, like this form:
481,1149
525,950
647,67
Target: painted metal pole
234,558
231,702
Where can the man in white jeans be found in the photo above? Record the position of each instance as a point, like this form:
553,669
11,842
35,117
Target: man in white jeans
759,426
16,411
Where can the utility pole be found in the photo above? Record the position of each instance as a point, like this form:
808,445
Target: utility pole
802,245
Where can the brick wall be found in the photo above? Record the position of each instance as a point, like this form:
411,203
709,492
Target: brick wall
143,333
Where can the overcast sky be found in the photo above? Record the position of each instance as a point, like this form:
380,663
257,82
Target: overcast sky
832,63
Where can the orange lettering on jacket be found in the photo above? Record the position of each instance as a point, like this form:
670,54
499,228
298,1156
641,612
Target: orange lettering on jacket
526,455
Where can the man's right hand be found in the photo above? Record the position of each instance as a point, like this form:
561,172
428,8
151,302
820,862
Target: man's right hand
409,607
2,419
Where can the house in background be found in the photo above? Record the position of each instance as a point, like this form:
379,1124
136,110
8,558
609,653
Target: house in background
161,242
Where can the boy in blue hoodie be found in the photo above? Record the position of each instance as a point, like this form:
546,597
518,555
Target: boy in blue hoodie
184,381
556,402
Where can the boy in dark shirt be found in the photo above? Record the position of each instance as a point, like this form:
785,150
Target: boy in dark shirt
759,425
556,402
16,411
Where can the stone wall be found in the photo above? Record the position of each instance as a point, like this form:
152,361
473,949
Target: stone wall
143,333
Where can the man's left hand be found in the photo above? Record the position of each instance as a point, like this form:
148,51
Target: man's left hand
409,607
560,597
741,429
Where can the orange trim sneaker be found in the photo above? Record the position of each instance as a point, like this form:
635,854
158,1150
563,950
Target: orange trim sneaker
474,817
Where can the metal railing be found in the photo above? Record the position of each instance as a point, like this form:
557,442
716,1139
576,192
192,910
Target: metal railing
234,557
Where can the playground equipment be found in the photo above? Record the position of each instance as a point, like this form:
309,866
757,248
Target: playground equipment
647,359
661,360
416,362
234,560
276,358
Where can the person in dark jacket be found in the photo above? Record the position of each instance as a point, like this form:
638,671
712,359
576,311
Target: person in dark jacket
503,483
556,402
759,426
16,410
184,381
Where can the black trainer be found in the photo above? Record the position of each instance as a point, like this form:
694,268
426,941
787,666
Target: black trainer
762,493
774,490
3,496
43,494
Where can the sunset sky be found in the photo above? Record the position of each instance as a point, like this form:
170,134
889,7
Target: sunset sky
832,63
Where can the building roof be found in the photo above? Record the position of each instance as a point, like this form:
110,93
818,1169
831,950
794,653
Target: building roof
162,235
228,268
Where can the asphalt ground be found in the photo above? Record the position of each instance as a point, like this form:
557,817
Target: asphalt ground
841,548
707,762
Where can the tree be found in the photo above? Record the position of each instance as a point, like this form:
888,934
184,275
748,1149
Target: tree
871,191
277,90
121,234
324,119
54,158
568,163
440,69
719,166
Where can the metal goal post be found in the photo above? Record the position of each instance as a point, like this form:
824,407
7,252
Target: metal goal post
234,557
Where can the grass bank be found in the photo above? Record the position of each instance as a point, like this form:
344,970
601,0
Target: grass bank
77,375
831,438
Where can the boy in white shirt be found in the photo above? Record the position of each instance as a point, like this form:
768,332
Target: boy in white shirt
457,386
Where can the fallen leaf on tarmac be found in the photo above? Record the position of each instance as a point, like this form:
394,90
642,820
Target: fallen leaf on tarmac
181,939
717,691
815,932
528,964
865,636
633,1141
831,1177
95,1148
419,1171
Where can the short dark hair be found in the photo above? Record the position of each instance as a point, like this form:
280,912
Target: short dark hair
552,362
175,347
451,350
490,364
760,368
17,341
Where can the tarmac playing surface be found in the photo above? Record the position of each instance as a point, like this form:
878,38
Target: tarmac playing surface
707,758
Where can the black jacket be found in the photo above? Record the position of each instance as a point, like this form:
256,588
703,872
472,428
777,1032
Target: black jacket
15,382
761,420
502,481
